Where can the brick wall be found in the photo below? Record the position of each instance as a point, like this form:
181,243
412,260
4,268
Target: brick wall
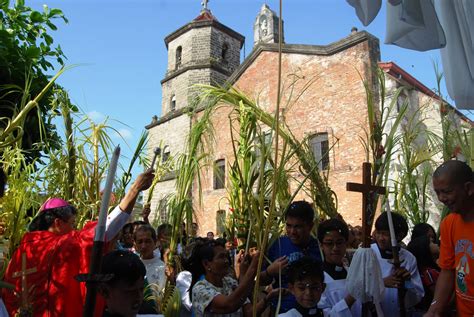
334,103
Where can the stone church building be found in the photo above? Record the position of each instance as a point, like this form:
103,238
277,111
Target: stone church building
332,111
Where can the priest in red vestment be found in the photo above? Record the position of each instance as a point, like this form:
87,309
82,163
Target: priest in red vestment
59,253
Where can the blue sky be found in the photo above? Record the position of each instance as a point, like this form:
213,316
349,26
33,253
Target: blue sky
121,56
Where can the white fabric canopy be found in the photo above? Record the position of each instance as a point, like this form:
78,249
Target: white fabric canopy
457,19
366,10
414,24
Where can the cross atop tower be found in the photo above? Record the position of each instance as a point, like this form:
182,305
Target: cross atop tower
204,5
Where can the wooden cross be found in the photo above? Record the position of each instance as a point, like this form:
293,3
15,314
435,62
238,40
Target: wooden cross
24,288
368,209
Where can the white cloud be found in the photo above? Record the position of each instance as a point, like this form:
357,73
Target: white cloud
125,134
96,116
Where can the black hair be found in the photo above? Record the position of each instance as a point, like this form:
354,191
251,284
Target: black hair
221,241
300,209
420,248
44,220
145,228
459,172
163,228
305,267
333,225
139,223
421,229
186,255
128,226
122,266
203,250
399,224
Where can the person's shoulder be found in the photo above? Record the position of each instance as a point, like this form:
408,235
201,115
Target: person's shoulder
35,236
184,275
157,260
202,283
229,281
282,240
314,242
452,218
291,313
407,255
374,247
279,243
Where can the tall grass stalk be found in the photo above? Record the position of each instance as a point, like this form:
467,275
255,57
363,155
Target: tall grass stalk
21,197
415,155
13,130
381,136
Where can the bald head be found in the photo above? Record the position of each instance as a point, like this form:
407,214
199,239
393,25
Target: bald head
456,171
454,186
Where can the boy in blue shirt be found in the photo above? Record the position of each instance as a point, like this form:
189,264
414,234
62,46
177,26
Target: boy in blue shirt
296,244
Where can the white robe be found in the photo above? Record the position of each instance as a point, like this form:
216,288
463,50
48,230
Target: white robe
332,300
415,291
293,313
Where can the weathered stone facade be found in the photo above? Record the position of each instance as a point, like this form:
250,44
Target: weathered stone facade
265,27
203,51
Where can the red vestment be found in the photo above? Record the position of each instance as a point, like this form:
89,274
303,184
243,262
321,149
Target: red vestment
57,259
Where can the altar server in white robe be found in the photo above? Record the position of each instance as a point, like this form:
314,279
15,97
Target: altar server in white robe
333,236
407,276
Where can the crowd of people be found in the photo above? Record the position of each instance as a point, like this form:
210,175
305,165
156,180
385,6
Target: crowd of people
304,272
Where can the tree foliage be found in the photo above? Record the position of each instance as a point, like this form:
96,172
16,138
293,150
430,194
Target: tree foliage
27,53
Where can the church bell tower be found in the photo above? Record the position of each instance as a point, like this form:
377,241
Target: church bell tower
265,28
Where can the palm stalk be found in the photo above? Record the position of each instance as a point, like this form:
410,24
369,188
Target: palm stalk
189,166
263,245
382,136
411,187
13,131
21,197
127,175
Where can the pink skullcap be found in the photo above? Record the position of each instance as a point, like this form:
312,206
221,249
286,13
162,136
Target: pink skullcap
54,203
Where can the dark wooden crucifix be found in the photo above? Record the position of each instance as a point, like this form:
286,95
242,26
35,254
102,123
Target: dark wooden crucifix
25,306
368,193
368,212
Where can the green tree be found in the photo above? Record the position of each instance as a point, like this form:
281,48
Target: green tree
26,55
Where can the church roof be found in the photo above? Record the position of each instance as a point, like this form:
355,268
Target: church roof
323,50
205,15
403,76
205,19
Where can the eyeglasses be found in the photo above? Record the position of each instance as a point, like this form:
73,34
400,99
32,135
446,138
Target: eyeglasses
331,244
318,287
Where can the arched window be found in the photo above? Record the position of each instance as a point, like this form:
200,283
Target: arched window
163,210
225,52
319,145
173,103
166,154
219,174
179,52
220,223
